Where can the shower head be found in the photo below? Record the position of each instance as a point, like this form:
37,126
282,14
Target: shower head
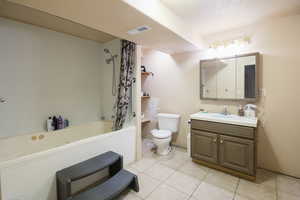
108,61
111,58
106,51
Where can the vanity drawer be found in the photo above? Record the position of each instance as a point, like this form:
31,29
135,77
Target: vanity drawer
225,129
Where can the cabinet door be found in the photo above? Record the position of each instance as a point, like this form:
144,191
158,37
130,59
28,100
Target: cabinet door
237,154
204,146
226,79
209,79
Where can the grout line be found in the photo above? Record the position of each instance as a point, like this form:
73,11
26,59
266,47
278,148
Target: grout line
202,180
236,188
160,183
276,187
278,173
191,195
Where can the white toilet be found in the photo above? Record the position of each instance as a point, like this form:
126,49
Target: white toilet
167,124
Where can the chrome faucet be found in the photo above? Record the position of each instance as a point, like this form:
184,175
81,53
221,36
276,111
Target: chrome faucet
225,111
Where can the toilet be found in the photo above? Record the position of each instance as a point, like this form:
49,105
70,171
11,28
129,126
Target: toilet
167,124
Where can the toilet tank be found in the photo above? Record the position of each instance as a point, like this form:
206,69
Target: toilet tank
168,121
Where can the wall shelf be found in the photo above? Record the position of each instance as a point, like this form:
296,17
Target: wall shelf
145,99
145,121
146,73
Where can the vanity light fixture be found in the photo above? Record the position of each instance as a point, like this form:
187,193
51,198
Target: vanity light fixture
233,42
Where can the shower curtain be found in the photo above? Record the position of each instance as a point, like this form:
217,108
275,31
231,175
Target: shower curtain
125,82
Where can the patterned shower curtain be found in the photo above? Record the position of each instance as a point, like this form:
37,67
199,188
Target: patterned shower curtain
125,82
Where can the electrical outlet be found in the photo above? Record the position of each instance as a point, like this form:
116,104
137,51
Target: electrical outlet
2,100
262,123
262,92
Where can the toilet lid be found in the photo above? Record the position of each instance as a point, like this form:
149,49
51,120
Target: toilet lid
161,133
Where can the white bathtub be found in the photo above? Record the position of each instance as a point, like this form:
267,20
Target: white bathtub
28,167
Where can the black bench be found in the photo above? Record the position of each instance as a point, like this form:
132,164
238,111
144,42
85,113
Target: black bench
119,179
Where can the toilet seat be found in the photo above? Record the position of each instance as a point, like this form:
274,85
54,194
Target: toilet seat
161,134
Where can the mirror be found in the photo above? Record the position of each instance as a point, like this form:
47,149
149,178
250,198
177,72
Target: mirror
233,78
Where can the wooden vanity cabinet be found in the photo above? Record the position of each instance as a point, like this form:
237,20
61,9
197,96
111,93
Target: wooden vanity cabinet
205,146
226,147
236,153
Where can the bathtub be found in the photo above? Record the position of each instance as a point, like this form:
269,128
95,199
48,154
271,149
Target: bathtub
28,163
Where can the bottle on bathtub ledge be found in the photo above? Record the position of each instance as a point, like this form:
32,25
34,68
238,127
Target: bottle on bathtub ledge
66,123
54,123
60,123
57,123
50,124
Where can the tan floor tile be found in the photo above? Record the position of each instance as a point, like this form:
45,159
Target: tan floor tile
151,155
173,154
183,182
195,170
266,178
132,170
181,152
147,185
128,195
288,185
211,192
285,196
173,162
159,172
165,192
256,191
148,153
144,164
281,196
222,180
238,197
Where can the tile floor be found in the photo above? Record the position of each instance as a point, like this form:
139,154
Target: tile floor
176,177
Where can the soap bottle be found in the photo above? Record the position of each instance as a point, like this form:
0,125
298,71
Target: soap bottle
54,123
60,123
241,111
49,124
250,110
66,123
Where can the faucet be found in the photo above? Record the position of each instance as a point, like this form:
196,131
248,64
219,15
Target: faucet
225,111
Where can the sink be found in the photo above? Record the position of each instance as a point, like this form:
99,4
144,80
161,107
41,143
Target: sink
227,119
220,115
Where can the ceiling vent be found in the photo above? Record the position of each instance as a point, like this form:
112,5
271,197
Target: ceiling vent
139,30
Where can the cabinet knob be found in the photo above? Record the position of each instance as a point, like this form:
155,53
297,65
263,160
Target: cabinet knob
221,141
215,140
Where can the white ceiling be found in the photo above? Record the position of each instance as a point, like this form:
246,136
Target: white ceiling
112,17
211,16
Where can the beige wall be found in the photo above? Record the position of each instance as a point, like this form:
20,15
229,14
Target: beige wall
44,73
176,86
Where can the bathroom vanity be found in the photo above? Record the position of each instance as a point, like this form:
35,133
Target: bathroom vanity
225,142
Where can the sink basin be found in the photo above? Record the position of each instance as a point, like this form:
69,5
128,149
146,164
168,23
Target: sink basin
220,115
227,119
